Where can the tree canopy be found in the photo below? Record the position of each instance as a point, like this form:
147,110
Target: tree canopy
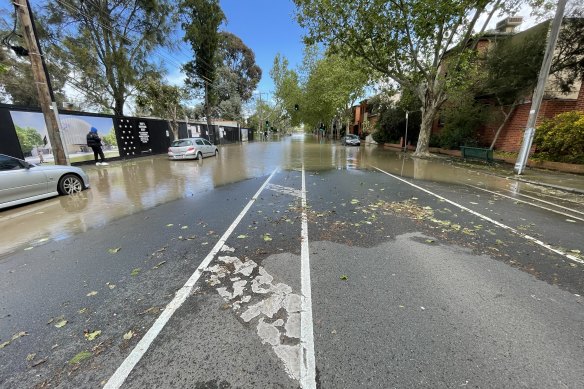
108,44
408,41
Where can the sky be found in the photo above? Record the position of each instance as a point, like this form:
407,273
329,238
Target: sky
267,27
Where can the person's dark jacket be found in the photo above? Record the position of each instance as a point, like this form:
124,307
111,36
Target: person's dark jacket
93,139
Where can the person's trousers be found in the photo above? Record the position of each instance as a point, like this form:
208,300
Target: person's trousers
98,151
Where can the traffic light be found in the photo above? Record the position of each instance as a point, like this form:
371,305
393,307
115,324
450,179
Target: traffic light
296,107
267,123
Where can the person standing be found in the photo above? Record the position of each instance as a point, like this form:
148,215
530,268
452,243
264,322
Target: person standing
40,154
94,141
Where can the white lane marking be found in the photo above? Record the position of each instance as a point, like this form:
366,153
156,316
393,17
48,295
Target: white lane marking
532,204
120,375
256,298
307,360
504,226
285,190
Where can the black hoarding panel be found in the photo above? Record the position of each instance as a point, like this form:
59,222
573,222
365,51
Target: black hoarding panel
142,136
9,144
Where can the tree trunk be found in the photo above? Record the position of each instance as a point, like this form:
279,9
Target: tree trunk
423,146
430,104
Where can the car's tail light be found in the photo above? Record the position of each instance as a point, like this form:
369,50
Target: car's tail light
191,148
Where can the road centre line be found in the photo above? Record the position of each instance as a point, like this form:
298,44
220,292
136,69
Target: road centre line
484,217
532,204
307,359
124,370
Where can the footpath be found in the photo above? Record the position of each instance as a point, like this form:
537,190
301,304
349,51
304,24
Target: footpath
548,178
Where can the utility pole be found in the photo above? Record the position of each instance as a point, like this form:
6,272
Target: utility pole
539,90
208,112
42,81
260,113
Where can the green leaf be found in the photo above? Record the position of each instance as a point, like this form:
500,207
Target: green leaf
114,250
241,236
136,271
354,201
80,357
92,335
267,237
344,277
92,293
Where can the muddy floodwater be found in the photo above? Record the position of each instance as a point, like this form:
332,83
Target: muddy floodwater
127,187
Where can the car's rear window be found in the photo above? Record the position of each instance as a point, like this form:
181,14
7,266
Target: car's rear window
351,136
181,143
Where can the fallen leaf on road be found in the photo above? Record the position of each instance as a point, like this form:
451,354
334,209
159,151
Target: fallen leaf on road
83,355
39,362
344,277
30,357
82,310
184,227
150,310
92,293
575,251
422,308
114,250
354,201
61,323
159,264
136,271
92,335
267,238
42,240
241,236
14,337
111,286
128,335
429,240
170,225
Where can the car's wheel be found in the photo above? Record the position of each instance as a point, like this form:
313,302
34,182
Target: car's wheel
69,184
216,152
199,156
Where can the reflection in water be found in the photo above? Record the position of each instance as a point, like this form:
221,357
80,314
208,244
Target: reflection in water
127,187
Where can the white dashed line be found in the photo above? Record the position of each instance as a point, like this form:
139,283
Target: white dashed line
533,204
307,360
504,226
120,375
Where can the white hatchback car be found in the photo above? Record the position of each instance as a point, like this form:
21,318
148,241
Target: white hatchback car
22,182
192,148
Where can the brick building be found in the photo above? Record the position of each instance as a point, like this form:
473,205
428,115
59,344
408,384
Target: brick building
554,102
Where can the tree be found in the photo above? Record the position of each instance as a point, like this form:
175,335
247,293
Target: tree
162,100
391,112
325,90
110,139
412,42
29,138
17,81
108,44
288,92
239,60
201,20
237,76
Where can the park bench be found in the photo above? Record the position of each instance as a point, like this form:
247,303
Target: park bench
476,153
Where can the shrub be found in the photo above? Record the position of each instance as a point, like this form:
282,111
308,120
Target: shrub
561,139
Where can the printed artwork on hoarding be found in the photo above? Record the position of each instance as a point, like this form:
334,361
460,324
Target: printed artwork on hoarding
36,145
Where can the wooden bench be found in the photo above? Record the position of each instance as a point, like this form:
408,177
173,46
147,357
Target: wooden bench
476,153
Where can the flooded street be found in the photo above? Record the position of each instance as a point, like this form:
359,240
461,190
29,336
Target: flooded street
131,186
307,256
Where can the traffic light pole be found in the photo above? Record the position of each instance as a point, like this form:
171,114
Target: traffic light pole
540,89
42,81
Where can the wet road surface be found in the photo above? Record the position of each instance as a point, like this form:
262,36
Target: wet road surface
421,274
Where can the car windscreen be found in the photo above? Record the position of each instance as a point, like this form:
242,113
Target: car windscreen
351,136
181,143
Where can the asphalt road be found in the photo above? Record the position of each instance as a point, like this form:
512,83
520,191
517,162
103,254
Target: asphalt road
363,279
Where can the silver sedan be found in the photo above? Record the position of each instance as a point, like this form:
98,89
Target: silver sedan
22,182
